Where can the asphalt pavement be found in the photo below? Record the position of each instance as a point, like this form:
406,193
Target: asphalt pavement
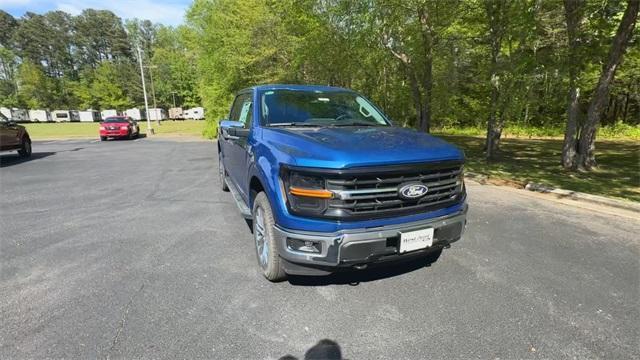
128,249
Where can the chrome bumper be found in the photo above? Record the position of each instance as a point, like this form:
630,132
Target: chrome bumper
359,246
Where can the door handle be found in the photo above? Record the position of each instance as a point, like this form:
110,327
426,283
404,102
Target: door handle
227,136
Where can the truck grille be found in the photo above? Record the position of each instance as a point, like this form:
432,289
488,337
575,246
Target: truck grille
375,194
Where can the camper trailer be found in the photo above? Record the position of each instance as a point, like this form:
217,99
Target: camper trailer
157,114
40,115
89,115
196,113
74,115
61,115
109,113
175,113
136,114
15,114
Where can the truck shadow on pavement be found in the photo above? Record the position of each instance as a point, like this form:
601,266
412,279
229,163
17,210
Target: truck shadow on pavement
375,272
15,159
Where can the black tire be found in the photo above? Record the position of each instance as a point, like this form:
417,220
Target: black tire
268,259
103,138
222,173
25,147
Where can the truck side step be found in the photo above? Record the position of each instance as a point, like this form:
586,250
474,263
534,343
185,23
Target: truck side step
244,209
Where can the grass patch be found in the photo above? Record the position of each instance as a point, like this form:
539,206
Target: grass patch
39,131
617,131
538,160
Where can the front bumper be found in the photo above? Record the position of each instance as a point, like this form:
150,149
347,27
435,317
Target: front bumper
114,133
347,248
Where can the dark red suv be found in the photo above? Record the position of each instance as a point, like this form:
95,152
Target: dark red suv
14,137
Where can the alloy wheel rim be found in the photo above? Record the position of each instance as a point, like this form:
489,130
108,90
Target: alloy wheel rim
262,247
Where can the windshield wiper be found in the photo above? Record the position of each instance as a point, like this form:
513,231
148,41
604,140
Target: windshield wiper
294,124
356,123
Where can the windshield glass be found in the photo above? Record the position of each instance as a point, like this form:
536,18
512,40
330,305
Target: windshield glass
317,108
115,120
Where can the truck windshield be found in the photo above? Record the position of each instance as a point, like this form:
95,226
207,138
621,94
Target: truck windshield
317,108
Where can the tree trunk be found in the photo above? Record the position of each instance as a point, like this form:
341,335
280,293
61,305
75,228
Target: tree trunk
416,95
572,10
495,12
626,108
586,146
427,74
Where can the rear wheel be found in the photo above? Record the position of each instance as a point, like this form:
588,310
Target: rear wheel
266,247
222,173
25,147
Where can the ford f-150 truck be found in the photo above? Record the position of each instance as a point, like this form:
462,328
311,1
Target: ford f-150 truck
329,182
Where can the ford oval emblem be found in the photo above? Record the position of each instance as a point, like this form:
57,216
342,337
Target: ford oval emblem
412,191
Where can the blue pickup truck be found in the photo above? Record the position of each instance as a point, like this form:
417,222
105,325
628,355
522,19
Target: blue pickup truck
330,183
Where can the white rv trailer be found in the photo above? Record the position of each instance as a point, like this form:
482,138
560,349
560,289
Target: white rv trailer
61,115
74,115
176,113
136,114
40,115
15,114
157,114
196,113
89,115
109,113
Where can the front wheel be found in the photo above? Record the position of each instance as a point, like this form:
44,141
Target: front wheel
25,147
266,246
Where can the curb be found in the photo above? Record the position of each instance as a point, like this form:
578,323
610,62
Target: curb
561,193
575,195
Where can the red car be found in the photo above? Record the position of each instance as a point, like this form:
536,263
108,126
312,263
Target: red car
119,127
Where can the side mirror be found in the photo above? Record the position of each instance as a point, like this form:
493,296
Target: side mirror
233,129
228,124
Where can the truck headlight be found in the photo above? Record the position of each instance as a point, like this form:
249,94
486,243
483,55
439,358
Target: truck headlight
306,194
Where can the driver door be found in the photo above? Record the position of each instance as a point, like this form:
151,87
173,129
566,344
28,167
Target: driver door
8,135
235,146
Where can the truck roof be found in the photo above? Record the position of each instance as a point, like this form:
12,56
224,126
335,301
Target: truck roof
267,87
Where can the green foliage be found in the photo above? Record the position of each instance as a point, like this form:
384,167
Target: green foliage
35,88
89,61
357,44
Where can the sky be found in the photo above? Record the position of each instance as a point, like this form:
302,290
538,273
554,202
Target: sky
167,12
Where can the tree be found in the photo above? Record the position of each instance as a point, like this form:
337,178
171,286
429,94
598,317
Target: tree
35,90
100,36
573,15
586,147
8,26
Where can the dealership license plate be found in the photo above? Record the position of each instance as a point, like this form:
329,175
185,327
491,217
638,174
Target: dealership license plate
416,240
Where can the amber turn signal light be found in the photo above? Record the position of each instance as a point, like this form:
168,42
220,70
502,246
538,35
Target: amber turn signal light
315,193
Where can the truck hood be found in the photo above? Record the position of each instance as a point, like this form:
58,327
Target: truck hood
344,147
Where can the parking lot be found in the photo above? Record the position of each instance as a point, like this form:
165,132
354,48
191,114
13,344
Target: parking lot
129,249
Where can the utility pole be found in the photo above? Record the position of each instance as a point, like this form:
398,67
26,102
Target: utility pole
144,91
153,93
173,93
